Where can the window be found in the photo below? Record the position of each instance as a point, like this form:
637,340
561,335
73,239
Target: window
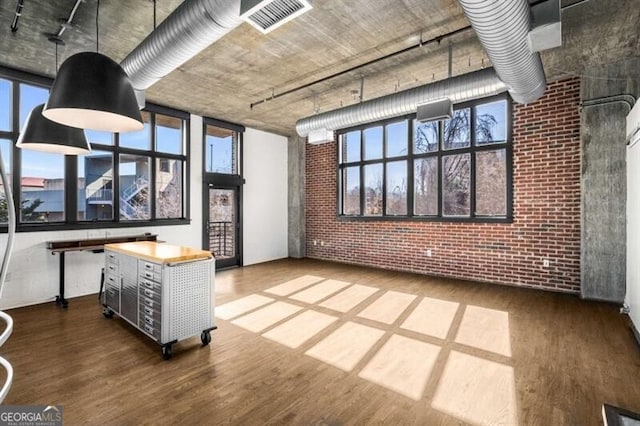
127,178
221,150
456,169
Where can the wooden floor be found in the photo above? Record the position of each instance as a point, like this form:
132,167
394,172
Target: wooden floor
563,357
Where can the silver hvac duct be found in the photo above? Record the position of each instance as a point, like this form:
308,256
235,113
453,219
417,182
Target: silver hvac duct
191,28
462,88
502,27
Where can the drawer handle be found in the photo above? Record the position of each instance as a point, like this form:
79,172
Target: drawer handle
148,311
148,284
112,268
148,320
148,275
111,256
148,293
148,329
148,266
113,280
149,302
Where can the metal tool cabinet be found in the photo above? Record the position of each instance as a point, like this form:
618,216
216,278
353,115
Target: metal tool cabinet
167,292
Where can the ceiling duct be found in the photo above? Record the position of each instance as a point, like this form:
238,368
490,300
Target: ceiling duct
475,85
439,109
267,15
191,28
502,27
547,26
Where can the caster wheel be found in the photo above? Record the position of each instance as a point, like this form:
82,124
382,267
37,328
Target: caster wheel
167,352
108,313
205,337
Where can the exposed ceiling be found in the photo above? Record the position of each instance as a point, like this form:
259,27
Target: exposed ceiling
246,66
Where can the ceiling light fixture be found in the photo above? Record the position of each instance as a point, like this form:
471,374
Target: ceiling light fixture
91,91
41,134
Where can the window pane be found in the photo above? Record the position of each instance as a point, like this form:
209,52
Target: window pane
491,183
42,187
351,191
491,123
456,181
456,131
396,188
134,187
5,147
425,137
397,137
168,189
140,139
95,186
5,105
103,138
30,97
169,134
373,143
425,186
221,146
373,190
350,147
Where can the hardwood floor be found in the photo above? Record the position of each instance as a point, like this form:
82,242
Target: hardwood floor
562,357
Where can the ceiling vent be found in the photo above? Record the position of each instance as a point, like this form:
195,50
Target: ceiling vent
267,15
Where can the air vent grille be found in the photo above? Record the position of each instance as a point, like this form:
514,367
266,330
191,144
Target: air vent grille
268,15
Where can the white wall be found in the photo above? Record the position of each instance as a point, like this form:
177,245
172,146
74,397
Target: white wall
264,197
33,271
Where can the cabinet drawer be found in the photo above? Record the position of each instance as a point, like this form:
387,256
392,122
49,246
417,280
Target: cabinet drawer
111,280
151,275
112,298
143,265
150,284
111,268
150,329
150,311
151,294
111,258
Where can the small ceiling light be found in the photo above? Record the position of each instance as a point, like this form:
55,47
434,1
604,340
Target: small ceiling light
40,134
91,91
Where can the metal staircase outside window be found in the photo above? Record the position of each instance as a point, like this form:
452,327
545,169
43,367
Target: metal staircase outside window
133,201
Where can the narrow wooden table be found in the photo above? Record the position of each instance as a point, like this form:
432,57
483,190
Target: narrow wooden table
94,245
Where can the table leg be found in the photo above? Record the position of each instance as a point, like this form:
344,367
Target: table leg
60,300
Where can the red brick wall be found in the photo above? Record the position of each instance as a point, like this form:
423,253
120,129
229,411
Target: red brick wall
546,198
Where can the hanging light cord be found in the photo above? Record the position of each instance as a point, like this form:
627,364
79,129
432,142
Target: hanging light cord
154,14
97,27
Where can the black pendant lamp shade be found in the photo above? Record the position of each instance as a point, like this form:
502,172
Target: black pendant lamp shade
93,92
40,134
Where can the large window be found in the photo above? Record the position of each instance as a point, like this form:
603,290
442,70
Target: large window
126,179
457,169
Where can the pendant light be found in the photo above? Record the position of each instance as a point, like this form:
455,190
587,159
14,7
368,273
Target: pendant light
91,91
41,134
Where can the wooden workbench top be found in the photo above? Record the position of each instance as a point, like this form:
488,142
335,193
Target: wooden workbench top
159,252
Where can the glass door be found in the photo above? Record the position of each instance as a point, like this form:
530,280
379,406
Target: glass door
222,225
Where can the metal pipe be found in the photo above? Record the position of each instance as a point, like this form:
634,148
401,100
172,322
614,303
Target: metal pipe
16,17
191,28
475,85
69,20
502,27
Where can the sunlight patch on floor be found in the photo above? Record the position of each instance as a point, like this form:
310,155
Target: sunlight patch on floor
432,317
294,285
485,329
346,346
319,291
299,329
477,391
241,306
267,316
349,298
402,365
388,307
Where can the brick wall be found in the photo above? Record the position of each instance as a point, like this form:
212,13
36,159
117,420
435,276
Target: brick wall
546,198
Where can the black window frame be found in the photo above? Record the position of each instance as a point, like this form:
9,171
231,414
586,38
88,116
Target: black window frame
71,221
439,154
